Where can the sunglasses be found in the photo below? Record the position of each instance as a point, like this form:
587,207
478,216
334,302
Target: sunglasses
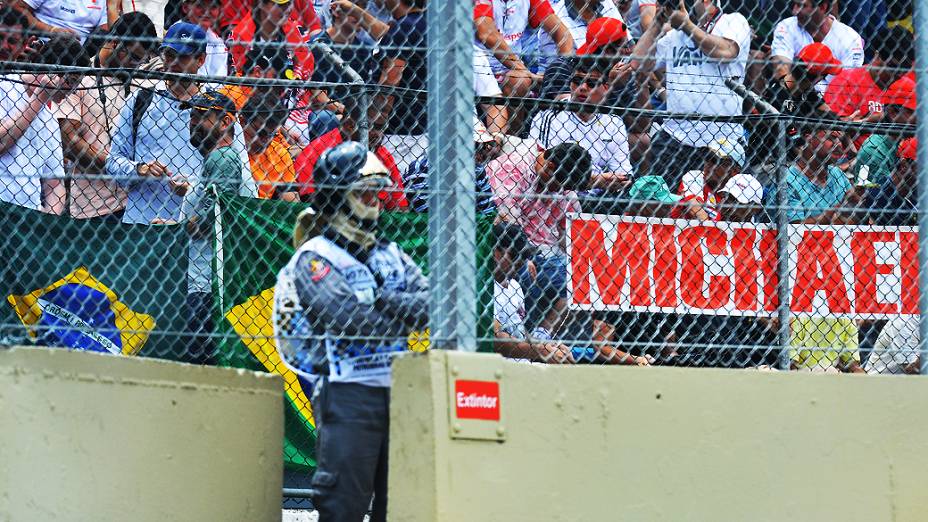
592,83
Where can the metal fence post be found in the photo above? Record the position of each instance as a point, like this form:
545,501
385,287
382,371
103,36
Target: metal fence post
921,64
452,225
782,246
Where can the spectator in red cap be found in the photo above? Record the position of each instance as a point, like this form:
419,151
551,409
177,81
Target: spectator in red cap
877,156
607,38
813,22
857,94
798,97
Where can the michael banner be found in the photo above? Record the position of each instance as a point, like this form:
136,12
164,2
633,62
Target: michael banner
722,268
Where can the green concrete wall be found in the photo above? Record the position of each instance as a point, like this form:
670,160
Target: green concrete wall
89,437
591,443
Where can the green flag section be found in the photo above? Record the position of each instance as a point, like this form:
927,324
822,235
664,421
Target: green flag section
256,244
93,284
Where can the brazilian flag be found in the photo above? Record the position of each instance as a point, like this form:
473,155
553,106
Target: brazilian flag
95,284
256,244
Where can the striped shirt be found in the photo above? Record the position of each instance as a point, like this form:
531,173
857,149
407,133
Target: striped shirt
416,181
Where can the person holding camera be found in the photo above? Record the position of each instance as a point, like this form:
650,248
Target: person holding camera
704,47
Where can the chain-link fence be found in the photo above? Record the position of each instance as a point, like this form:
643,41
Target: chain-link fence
726,185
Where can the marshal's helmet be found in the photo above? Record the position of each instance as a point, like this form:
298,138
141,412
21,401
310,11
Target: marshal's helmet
340,174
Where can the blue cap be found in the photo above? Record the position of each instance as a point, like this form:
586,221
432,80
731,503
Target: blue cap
185,39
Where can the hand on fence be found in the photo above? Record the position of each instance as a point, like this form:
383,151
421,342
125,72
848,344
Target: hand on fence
554,353
179,185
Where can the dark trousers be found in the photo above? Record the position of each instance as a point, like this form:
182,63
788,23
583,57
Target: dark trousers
200,348
671,159
352,433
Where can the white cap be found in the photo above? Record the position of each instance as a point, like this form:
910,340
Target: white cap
745,188
727,149
481,134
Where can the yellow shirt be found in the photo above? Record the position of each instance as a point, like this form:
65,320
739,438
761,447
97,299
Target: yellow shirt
818,343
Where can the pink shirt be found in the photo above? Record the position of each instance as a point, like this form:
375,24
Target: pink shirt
540,214
92,195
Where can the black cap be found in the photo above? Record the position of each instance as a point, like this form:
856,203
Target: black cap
210,100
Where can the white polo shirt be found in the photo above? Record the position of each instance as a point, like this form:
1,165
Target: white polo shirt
604,136
848,47
81,15
696,83
36,156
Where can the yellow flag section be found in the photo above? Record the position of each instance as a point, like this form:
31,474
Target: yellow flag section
252,321
80,312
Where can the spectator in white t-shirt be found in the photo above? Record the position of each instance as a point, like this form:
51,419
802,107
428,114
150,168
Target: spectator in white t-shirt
77,18
896,350
604,136
514,19
704,48
205,13
31,159
814,23
511,254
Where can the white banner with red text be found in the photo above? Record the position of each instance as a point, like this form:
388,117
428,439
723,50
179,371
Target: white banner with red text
626,263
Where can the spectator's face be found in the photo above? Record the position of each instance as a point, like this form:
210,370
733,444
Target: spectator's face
544,169
486,152
825,146
179,63
718,171
204,13
808,14
734,210
12,43
258,135
127,55
888,69
206,128
273,15
588,87
504,265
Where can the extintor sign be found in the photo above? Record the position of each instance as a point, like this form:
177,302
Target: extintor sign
476,400
475,396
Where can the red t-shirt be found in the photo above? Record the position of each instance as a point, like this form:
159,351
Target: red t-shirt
395,199
854,90
233,11
244,35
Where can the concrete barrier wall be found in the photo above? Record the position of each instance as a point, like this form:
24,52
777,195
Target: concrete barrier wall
88,437
594,443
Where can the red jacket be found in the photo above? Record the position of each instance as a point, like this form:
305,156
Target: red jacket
395,199
234,11
244,35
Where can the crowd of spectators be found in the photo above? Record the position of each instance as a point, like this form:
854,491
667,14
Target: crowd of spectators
132,149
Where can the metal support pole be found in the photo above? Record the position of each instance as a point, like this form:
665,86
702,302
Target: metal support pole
363,98
452,225
782,247
921,65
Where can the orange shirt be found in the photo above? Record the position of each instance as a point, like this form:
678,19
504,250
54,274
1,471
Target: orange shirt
274,165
